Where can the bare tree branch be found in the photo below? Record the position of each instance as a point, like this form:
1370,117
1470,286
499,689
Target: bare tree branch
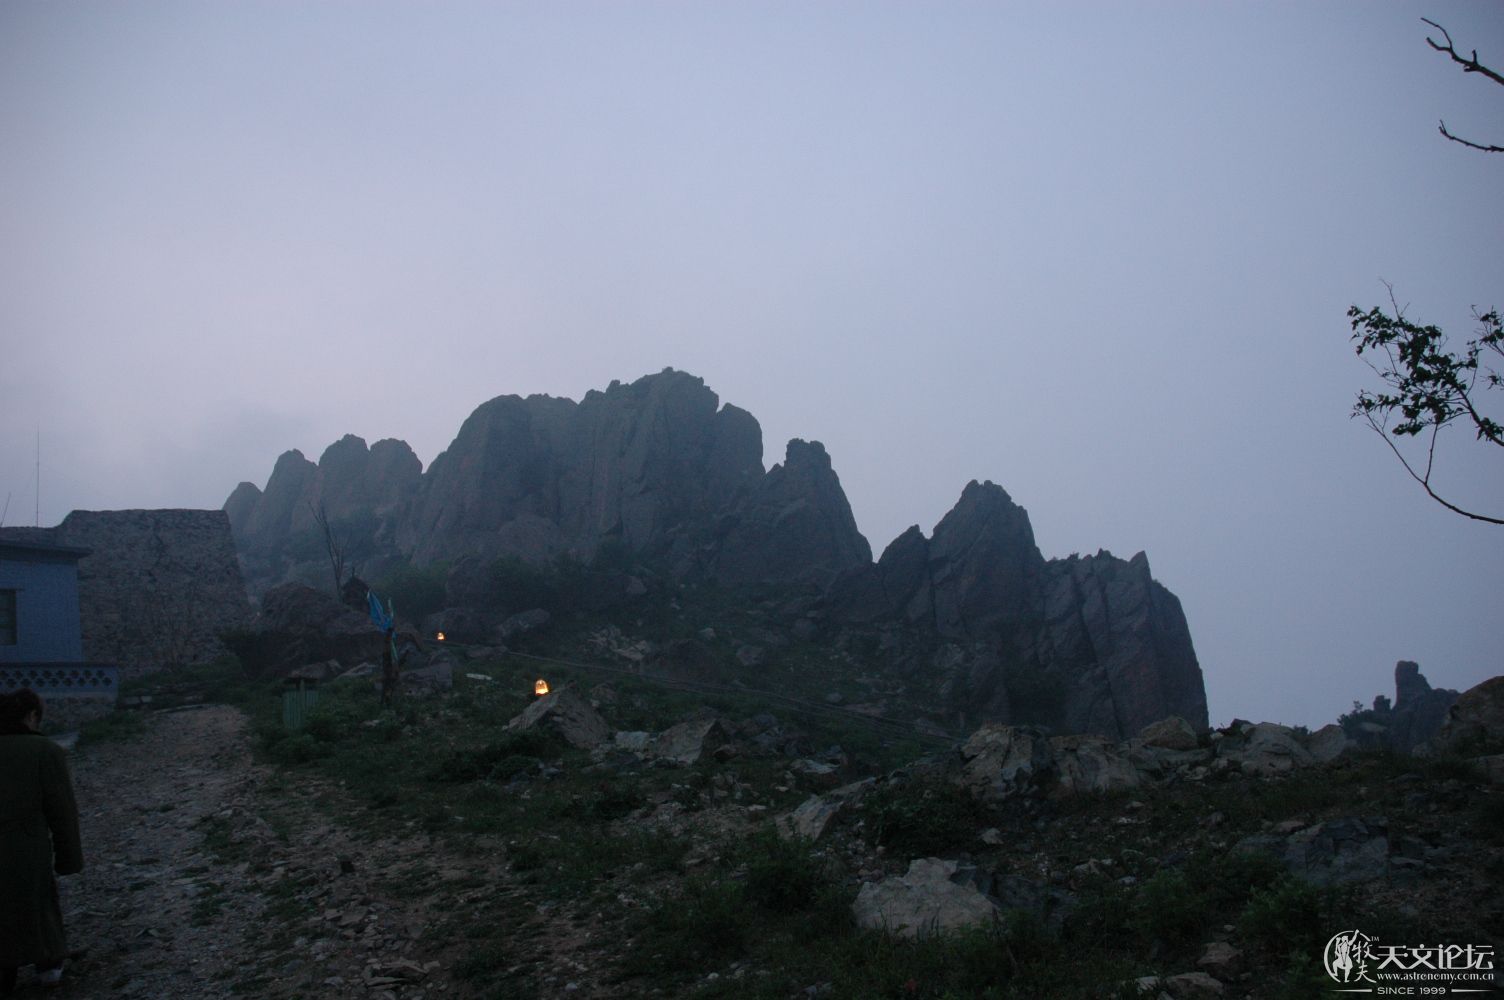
1425,481
334,544
1464,142
1469,65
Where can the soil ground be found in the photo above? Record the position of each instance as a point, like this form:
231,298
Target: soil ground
201,885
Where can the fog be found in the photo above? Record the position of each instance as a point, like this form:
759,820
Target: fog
1100,254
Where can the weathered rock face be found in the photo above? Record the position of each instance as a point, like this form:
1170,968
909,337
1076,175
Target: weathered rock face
794,526
1414,717
1475,723
662,473
157,587
1085,644
935,895
658,467
363,492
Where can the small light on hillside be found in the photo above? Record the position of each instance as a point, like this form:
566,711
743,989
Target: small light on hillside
540,687
440,637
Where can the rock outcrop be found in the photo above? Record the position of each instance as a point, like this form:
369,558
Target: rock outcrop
658,467
658,476
1414,717
298,625
1085,644
364,493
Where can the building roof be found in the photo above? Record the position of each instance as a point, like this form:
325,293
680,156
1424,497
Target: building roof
12,547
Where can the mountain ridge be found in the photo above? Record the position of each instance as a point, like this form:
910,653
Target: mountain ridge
659,473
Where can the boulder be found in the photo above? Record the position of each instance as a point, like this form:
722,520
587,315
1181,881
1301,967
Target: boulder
567,714
1005,761
1171,733
934,895
1221,960
299,625
521,624
1337,852
1090,764
432,678
688,742
1475,722
1263,749
462,625
1330,742
815,814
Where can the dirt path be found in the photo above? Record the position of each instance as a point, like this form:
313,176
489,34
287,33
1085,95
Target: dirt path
210,876
196,888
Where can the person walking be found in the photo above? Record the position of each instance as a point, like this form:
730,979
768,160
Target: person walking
38,840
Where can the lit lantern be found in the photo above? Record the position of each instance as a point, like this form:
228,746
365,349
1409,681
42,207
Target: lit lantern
440,636
540,687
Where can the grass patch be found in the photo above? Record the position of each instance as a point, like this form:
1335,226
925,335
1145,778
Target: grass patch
117,727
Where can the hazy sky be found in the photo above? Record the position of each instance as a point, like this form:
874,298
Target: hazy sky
1097,253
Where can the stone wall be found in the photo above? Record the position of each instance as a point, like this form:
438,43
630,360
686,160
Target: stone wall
157,587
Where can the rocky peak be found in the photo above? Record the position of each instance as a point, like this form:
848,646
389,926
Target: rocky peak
1410,685
983,563
793,526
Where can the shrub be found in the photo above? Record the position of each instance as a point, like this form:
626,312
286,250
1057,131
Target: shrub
918,821
707,922
782,875
498,759
1285,916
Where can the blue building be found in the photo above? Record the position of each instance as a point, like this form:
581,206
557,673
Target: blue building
39,620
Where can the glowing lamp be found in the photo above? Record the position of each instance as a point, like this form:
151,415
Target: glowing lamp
540,687
440,636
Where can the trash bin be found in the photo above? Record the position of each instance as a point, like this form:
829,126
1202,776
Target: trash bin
299,695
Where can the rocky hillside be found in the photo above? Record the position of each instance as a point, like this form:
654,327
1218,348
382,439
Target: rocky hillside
665,484
619,837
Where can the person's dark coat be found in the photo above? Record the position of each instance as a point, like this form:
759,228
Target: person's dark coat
38,836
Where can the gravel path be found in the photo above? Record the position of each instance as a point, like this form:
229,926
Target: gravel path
196,887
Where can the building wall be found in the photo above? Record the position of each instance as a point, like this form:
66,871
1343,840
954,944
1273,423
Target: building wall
47,608
157,587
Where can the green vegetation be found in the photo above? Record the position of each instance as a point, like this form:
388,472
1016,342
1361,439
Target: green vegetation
695,894
116,727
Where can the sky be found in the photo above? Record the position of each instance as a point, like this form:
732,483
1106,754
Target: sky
1098,253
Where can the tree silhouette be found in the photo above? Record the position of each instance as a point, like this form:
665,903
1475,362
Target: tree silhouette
1426,384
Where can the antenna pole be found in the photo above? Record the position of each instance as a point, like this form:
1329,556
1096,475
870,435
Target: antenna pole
39,476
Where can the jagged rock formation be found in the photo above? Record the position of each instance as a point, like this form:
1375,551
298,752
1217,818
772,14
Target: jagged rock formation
661,473
157,587
363,491
1085,644
1413,718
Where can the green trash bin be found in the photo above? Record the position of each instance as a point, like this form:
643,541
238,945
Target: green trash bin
299,695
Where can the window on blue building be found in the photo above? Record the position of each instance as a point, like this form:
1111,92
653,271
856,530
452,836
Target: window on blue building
7,617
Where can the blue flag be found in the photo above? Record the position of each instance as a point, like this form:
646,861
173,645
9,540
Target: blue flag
379,617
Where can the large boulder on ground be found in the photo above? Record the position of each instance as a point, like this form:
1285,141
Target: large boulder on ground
688,742
568,714
1330,742
1339,851
1475,722
1004,761
1087,764
815,814
299,625
1263,748
1171,733
934,895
